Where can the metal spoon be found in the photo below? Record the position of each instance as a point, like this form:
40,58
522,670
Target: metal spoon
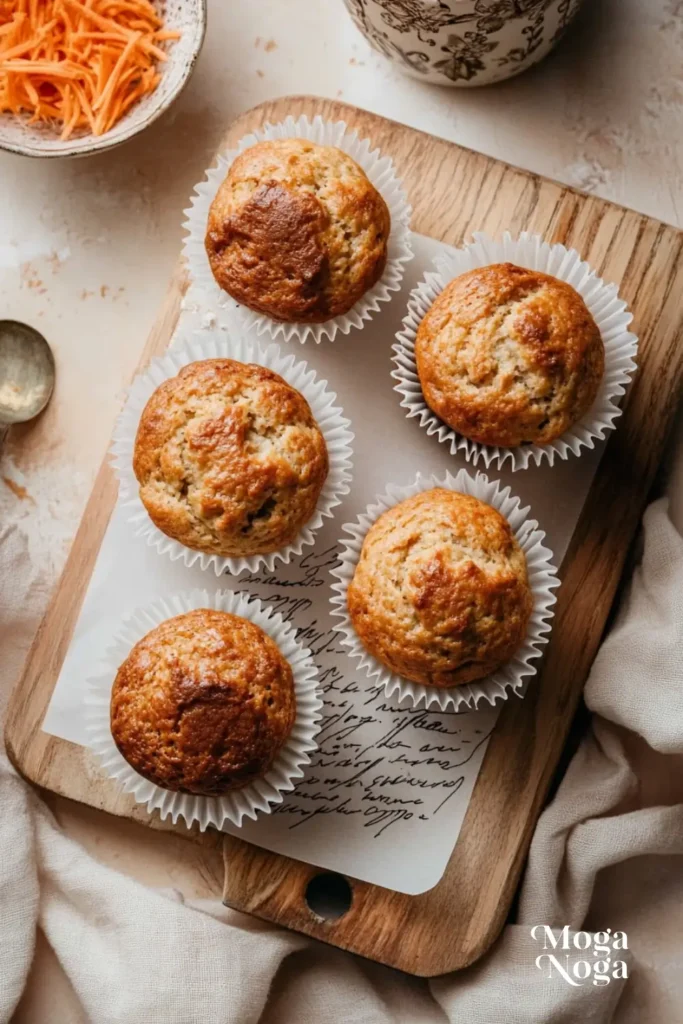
27,374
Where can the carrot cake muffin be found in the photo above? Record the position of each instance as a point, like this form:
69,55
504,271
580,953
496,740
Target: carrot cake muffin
440,594
508,356
203,703
297,231
229,458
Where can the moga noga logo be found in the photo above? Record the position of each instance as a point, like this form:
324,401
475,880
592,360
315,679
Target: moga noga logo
600,969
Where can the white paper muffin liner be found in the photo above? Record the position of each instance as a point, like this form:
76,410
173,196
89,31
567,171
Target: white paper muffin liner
289,764
608,310
220,345
379,169
543,580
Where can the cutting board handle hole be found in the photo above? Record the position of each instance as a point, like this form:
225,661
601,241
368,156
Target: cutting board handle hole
329,896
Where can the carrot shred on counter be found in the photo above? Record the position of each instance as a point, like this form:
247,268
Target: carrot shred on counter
79,64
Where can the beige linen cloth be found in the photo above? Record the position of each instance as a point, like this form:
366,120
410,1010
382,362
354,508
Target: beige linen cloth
607,853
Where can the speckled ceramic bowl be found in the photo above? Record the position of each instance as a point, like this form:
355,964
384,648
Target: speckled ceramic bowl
463,42
188,17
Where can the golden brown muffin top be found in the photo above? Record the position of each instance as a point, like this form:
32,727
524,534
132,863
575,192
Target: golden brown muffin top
229,458
440,594
508,356
297,231
203,703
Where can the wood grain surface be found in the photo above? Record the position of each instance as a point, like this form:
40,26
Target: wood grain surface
453,192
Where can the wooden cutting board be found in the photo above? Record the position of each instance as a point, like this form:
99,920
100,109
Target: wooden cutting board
453,192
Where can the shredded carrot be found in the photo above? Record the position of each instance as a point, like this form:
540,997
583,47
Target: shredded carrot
79,65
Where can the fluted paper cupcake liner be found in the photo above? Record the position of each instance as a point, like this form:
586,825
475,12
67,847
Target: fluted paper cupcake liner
219,344
257,796
381,172
608,310
543,580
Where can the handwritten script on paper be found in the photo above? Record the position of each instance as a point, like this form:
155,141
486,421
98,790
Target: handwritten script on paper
383,771
388,787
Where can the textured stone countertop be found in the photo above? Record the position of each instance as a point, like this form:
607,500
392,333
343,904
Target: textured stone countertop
86,249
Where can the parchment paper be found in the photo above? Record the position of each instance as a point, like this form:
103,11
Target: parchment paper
386,794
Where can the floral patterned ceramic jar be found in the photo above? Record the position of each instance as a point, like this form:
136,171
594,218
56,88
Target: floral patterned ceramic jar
463,42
